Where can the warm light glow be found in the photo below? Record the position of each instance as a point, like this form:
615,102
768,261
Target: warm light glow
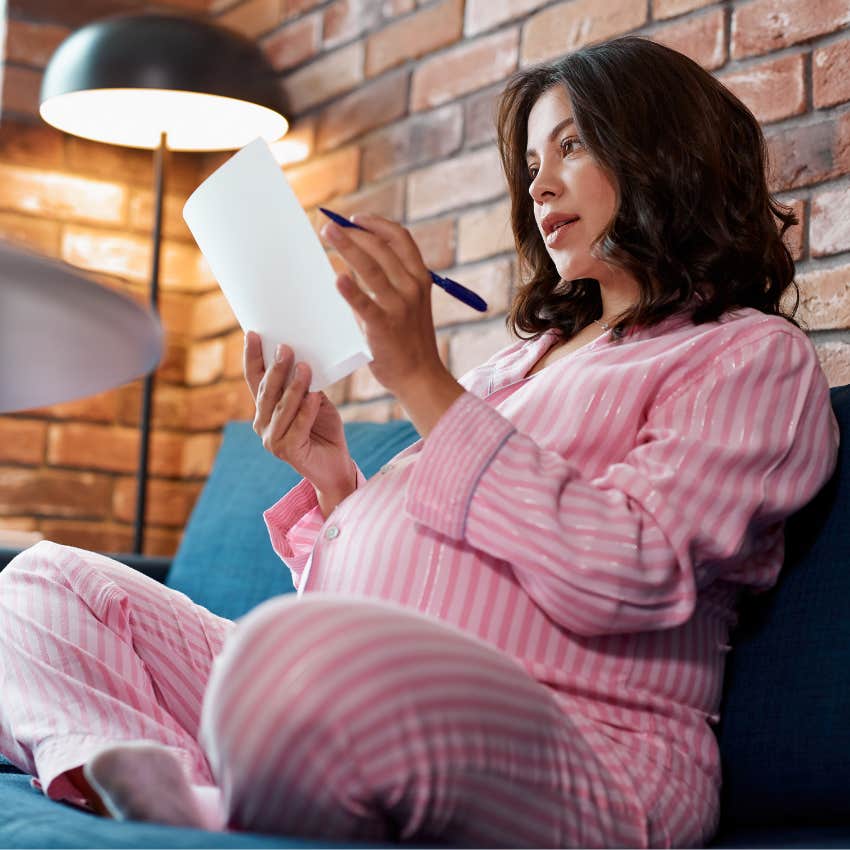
136,117
290,151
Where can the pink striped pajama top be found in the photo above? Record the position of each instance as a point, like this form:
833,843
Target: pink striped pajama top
596,521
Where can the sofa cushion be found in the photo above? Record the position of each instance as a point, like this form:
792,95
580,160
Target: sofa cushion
785,722
225,561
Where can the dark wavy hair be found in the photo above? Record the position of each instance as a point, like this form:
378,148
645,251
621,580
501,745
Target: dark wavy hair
694,223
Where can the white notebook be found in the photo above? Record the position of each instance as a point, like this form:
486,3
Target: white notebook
271,265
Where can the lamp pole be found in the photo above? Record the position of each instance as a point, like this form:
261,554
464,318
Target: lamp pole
147,392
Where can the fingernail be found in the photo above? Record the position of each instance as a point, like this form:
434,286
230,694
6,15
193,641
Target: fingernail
278,354
332,232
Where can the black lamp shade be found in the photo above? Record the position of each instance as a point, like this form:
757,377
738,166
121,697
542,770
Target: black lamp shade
128,78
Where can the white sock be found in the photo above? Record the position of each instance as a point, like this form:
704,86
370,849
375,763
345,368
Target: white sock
145,781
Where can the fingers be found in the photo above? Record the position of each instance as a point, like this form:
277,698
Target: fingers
377,264
252,362
396,236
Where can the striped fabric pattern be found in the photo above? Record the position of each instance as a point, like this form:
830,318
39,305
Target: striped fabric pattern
596,522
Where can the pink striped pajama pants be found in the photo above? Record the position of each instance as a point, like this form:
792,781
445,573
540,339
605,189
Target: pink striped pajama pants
321,716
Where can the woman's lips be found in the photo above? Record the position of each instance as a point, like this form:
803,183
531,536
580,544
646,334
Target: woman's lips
553,238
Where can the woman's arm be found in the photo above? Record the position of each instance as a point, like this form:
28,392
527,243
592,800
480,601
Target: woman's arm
720,461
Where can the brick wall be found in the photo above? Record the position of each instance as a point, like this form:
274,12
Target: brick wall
393,101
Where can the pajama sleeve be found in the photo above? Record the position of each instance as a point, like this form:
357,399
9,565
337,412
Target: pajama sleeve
294,523
719,462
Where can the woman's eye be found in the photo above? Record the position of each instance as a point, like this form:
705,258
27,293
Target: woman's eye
532,172
570,145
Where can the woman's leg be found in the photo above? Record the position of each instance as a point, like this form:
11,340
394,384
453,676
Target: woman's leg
93,653
344,718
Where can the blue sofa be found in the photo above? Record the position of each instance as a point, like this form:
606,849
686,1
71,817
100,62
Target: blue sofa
785,726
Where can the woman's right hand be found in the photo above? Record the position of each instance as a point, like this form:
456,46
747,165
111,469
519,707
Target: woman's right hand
299,427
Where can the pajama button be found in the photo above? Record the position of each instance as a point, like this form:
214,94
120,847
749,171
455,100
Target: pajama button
332,532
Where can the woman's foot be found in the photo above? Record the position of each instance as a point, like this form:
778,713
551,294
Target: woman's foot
144,781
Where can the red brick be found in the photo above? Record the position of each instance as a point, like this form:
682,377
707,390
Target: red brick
129,257
491,280
56,195
205,362
211,314
835,361
772,90
181,455
323,178
831,74
463,69
15,524
141,214
234,345
765,25
84,446
32,43
829,230
22,441
345,20
484,232
168,503
294,43
809,153
483,15
470,347
416,35
253,17
419,139
458,182
436,241
54,493
395,8
93,536
824,301
385,199
293,8
39,145
701,37
669,8
331,75
183,171
182,266
176,311
479,117
112,253
563,27
372,105
21,89
102,407
35,233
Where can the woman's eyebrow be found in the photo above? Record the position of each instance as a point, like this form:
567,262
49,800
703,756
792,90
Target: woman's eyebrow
555,130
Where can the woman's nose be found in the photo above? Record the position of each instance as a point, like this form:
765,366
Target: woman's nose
545,184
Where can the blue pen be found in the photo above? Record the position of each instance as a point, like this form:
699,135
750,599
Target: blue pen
450,286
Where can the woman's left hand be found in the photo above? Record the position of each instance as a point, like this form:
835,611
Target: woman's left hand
391,299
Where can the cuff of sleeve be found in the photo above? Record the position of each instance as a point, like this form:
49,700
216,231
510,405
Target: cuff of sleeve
453,459
297,511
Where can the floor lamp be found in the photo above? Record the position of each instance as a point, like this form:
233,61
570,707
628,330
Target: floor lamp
162,82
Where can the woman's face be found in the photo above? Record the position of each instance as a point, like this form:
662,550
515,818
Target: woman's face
573,198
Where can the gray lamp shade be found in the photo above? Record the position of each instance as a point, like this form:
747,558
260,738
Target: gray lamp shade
63,336
127,79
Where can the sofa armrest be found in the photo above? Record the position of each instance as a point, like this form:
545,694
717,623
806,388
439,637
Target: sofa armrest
153,566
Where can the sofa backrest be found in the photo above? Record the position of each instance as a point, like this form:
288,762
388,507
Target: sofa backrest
225,561
784,731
